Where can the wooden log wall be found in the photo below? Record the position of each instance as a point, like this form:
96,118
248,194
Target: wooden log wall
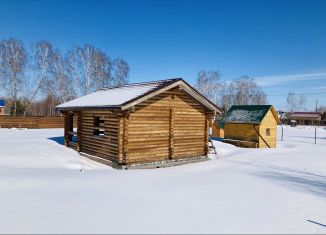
240,132
102,146
168,126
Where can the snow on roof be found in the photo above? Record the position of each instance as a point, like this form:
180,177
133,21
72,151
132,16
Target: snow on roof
115,96
126,96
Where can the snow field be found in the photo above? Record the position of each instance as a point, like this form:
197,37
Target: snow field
239,191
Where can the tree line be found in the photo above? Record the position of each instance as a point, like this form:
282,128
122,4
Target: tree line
295,103
240,91
38,78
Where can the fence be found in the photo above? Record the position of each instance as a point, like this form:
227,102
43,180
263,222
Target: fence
304,134
31,122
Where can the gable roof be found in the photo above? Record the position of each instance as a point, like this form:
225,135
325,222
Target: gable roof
126,96
252,114
2,103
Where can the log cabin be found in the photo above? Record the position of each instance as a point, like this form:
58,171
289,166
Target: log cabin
251,126
142,123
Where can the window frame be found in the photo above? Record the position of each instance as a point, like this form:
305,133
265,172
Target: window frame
268,132
98,126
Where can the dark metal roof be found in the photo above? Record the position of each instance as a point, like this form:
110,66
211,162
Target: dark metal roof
245,114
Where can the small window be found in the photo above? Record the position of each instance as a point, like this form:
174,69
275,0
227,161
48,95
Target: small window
98,132
98,126
268,131
98,121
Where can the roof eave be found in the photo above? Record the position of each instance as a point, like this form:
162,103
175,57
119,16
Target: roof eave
80,108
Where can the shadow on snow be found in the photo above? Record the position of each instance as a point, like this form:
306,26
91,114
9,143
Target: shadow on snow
57,139
298,180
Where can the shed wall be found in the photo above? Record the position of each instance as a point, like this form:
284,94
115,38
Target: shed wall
217,131
268,122
241,131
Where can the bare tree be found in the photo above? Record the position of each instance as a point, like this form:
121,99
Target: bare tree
85,60
322,109
291,102
2,64
55,76
45,106
296,103
302,103
103,67
13,62
62,84
242,91
208,83
121,72
41,63
90,68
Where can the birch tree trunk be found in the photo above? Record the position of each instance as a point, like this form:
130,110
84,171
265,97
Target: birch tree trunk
13,62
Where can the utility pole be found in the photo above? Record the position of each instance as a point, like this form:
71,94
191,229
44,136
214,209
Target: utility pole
316,104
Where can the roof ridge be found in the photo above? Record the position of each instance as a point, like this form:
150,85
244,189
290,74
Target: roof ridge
140,84
252,105
306,112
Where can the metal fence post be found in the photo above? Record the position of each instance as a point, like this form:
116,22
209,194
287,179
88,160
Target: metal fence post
282,134
315,135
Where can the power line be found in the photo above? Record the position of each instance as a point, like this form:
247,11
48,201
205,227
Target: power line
307,93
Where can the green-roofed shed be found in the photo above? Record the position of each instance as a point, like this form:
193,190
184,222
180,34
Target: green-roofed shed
251,125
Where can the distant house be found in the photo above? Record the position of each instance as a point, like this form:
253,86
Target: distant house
154,122
2,107
306,118
251,126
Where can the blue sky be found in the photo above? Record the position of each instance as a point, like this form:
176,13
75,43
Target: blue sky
282,44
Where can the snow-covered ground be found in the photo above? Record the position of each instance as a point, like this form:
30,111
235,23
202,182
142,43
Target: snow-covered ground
282,190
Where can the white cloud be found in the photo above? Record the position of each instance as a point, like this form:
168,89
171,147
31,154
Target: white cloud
284,79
